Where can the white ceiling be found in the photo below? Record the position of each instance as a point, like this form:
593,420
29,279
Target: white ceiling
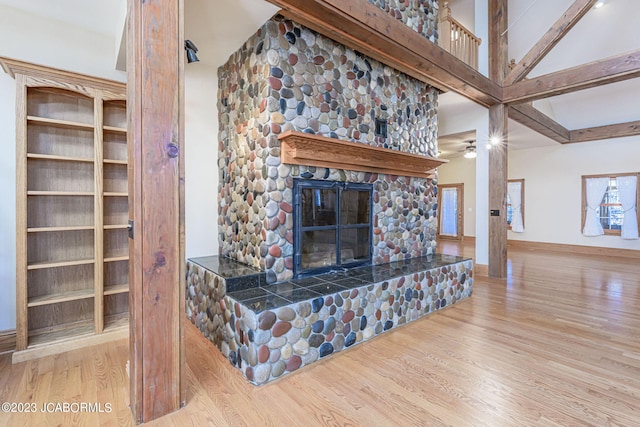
208,25
610,30
100,16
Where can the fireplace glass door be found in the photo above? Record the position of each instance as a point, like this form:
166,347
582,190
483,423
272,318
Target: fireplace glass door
333,225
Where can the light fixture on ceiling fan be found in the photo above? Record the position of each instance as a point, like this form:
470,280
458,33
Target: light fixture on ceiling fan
470,150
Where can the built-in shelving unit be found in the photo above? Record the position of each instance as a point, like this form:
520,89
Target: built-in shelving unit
72,210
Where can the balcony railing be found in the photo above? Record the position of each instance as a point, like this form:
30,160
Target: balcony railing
456,39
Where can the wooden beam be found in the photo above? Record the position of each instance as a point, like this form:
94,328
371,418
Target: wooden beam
155,139
606,132
610,70
532,118
366,28
498,121
549,40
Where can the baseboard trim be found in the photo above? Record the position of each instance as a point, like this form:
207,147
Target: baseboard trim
7,341
481,270
574,249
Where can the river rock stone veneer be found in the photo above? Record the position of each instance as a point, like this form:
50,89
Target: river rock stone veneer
287,77
419,15
300,322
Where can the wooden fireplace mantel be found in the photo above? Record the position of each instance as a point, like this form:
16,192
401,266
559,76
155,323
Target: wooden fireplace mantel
298,148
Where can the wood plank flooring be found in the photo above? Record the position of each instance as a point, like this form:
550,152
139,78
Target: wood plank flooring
555,344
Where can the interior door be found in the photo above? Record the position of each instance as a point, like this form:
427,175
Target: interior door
450,211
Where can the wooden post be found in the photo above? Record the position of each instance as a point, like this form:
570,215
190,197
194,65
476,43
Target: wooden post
498,192
155,61
444,27
498,118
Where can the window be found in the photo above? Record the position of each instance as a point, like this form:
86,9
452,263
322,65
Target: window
515,191
451,211
332,225
609,212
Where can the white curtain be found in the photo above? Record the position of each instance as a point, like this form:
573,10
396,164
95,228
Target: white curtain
515,196
449,220
627,192
596,187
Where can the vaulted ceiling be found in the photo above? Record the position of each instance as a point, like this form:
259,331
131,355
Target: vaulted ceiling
602,33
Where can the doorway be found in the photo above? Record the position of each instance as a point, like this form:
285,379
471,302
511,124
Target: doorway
451,211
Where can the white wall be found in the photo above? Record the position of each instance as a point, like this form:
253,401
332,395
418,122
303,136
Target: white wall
463,171
464,12
7,207
31,38
468,117
553,188
201,151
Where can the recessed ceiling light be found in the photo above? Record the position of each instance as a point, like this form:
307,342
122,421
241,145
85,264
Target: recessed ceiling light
599,4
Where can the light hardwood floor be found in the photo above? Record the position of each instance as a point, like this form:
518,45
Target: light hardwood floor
555,344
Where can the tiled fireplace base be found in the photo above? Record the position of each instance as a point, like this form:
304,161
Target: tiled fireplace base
267,331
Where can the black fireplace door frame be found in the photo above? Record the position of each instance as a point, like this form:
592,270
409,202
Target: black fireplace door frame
340,188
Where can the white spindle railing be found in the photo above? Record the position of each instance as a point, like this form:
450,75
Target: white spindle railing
456,39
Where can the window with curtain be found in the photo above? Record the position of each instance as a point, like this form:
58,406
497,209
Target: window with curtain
609,205
515,205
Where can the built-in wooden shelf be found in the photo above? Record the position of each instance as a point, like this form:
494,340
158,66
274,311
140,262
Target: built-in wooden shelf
52,264
50,229
305,149
59,193
58,158
59,123
116,226
116,258
72,181
60,333
116,289
61,297
117,322
116,162
114,129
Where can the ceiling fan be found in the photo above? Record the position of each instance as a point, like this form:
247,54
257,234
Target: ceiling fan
470,150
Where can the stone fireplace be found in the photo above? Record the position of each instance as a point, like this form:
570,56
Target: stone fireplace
289,78
326,161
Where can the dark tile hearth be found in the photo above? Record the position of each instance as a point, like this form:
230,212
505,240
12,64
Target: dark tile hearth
238,276
244,284
269,330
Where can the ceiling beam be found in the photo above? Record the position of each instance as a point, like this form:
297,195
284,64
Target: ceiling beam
605,71
366,28
549,40
532,118
606,132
